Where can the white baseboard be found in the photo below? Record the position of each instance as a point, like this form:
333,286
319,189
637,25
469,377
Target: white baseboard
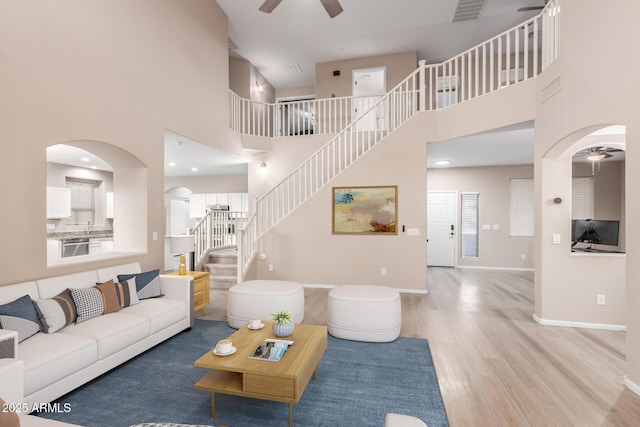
478,267
402,291
631,385
585,325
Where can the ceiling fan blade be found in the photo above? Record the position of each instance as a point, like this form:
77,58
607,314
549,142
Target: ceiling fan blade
332,7
269,5
529,8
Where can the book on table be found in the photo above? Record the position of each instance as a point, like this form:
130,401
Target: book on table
271,350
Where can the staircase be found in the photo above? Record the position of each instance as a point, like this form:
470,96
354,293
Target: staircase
514,56
223,268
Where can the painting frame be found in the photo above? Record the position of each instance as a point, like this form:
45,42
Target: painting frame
364,210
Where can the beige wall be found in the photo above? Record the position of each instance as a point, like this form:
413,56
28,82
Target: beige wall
243,80
584,99
112,71
496,247
398,66
302,247
239,77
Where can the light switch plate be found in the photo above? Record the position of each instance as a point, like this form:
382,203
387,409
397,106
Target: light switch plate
556,239
413,231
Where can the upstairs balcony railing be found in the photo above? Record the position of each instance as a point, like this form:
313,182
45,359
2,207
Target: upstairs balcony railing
514,56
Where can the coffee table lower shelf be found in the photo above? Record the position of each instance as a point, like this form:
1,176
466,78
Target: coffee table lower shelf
237,383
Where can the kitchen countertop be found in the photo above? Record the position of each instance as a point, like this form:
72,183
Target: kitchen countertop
100,234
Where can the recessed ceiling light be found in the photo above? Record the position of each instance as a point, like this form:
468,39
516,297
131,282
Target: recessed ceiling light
85,159
442,162
194,169
172,164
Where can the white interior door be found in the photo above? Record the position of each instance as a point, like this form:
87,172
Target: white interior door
369,86
441,228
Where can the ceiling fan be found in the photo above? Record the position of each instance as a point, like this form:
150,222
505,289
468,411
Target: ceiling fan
595,154
332,7
529,8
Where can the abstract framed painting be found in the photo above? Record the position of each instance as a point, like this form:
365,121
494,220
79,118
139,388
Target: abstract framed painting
365,210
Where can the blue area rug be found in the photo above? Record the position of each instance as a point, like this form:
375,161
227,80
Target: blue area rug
358,383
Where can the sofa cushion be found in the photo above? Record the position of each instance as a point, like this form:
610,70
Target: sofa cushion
20,316
57,312
161,312
113,331
125,292
52,286
88,303
110,302
147,283
51,357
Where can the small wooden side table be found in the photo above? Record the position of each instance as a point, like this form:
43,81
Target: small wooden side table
200,289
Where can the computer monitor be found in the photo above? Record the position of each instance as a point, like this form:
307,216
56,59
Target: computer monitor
595,231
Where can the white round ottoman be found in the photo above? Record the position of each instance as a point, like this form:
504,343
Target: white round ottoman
364,313
261,298
399,420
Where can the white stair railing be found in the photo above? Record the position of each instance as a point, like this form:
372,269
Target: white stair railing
215,230
514,56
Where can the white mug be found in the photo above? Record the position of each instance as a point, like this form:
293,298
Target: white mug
224,346
255,322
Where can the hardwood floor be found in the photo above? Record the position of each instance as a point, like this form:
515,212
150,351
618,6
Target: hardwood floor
496,366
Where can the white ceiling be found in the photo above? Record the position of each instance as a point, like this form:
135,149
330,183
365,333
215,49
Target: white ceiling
182,154
300,33
73,156
511,145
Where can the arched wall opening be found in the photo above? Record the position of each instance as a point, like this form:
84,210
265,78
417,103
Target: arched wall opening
572,285
130,206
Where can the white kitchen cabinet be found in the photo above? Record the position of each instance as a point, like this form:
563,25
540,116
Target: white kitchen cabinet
109,205
54,250
58,202
238,202
100,245
197,205
95,246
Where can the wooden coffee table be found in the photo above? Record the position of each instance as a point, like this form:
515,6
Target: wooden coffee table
282,381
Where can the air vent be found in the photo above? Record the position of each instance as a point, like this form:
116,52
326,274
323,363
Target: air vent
467,10
293,69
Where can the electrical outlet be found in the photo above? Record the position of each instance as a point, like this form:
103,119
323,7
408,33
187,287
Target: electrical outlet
270,267
523,256
154,236
601,299
383,271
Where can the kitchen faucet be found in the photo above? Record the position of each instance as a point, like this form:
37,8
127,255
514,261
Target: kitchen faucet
89,225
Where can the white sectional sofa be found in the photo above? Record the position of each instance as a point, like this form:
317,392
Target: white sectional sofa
47,366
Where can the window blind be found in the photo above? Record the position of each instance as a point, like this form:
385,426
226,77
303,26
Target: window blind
522,207
582,198
469,225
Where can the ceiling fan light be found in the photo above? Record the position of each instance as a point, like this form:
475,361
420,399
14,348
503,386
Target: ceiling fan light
594,157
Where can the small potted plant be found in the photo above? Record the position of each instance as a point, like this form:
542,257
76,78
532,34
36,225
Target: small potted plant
282,323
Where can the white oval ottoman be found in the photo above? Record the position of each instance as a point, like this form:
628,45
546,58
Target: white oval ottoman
364,313
261,298
399,420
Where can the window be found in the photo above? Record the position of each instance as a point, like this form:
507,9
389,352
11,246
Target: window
82,201
469,225
521,212
582,198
